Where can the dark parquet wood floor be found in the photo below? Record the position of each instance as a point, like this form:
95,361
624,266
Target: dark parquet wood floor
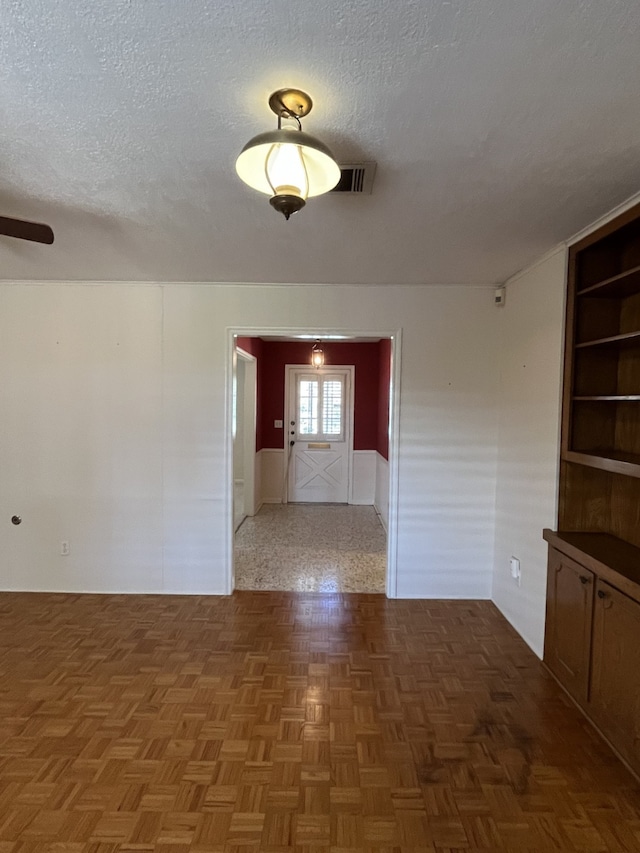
291,723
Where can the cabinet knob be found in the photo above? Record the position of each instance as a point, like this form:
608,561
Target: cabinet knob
584,579
602,593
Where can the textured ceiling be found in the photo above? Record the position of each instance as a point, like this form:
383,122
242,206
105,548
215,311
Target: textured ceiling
499,127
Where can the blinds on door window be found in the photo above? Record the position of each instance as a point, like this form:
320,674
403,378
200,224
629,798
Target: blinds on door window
308,392
320,404
332,407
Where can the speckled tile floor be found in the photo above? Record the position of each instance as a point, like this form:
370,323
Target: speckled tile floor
312,548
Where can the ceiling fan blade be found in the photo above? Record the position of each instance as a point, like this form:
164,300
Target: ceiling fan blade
23,230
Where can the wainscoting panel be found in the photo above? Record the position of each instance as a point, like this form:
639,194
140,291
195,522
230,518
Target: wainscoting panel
271,475
363,490
364,476
381,502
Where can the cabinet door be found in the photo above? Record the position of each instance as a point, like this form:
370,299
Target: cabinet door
568,631
615,682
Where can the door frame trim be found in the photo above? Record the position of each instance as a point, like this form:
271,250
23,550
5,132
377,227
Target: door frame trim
249,437
395,336
288,372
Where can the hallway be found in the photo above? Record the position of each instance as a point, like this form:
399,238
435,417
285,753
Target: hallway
312,548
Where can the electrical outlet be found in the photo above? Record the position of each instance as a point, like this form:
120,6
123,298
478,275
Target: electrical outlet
516,573
64,548
277,424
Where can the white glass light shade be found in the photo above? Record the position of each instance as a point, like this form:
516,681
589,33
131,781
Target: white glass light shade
286,171
280,150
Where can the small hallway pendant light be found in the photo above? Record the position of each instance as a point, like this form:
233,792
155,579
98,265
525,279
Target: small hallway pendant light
317,355
288,164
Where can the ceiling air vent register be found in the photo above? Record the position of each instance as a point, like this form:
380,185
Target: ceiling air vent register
356,179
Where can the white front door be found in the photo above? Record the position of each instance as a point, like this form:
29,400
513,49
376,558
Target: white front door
320,426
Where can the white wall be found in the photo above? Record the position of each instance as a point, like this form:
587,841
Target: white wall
528,444
113,428
81,437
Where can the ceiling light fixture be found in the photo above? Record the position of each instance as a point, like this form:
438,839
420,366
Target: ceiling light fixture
317,355
288,164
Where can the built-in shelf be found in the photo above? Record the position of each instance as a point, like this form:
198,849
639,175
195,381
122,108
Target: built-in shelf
601,411
592,632
618,286
615,398
618,463
627,339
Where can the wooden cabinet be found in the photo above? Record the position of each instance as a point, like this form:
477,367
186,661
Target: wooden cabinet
592,638
569,614
615,679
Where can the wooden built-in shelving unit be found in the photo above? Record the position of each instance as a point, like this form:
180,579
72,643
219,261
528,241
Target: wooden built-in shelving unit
601,410
592,640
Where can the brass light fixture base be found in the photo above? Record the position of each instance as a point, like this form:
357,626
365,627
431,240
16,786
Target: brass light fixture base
290,102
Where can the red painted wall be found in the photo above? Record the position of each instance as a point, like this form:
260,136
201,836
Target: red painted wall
371,362
251,345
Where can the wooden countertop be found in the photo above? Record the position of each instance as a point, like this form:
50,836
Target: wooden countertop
615,561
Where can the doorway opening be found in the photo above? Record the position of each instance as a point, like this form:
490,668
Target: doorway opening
323,452
318,458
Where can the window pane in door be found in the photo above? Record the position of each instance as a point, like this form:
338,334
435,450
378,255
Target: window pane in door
308,407
332,409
